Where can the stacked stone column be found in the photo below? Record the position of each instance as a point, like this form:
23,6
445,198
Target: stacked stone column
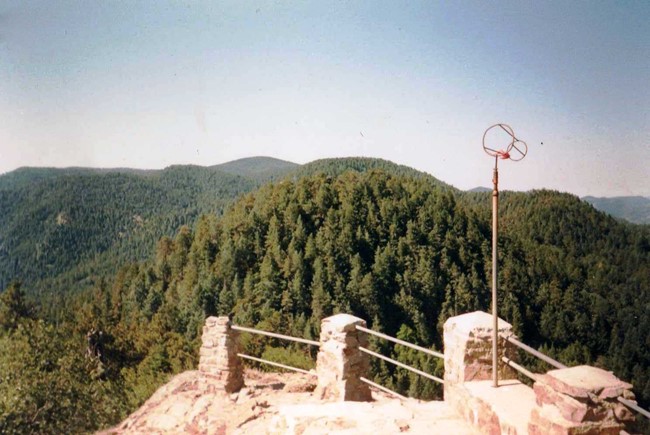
340,363
468,349
218,354
468,358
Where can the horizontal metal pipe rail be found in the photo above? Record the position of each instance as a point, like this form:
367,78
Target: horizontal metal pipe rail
519,368
534,352
635,407
402,342
273,334
295,369
397,363
379,387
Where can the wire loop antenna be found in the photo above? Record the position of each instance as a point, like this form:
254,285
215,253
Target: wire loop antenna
500,142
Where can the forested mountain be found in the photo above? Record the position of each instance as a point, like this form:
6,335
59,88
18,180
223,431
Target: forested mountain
259,168
391,245
337,166
480,189
61,229
635,209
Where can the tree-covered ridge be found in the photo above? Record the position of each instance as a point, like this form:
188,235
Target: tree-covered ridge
334,167
260,168
27,175
57,225
63,230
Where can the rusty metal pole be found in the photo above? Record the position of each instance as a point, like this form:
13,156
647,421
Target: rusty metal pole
495,222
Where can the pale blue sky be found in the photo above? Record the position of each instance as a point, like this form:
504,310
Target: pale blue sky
153,83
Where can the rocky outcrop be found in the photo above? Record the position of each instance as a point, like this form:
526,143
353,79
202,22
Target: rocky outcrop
274,403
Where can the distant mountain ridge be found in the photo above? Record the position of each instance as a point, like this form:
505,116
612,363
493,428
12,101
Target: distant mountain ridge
61,228
336,166
635,209
480,189
257,167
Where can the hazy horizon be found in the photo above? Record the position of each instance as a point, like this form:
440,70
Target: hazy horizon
485,186
151,84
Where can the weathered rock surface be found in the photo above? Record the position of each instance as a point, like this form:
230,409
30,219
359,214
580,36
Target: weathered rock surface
579,400
193,403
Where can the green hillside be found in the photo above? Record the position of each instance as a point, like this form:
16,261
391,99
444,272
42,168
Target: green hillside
29,176
635,209
336,166
61,229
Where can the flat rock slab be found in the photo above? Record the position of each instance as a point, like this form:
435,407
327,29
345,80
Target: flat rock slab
342,323
469,323
582,382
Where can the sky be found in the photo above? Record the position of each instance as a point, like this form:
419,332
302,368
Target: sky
148,84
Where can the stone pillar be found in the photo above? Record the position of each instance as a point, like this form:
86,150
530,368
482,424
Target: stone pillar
218,354
340,363
580,400
468,348
468,364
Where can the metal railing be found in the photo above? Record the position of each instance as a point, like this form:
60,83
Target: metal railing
312,343
520,369
379,387
283,366
395,362
630,404
402,342
530,350
509,362
275,335
509,338
399,364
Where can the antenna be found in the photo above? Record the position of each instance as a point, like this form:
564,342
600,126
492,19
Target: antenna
500,142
